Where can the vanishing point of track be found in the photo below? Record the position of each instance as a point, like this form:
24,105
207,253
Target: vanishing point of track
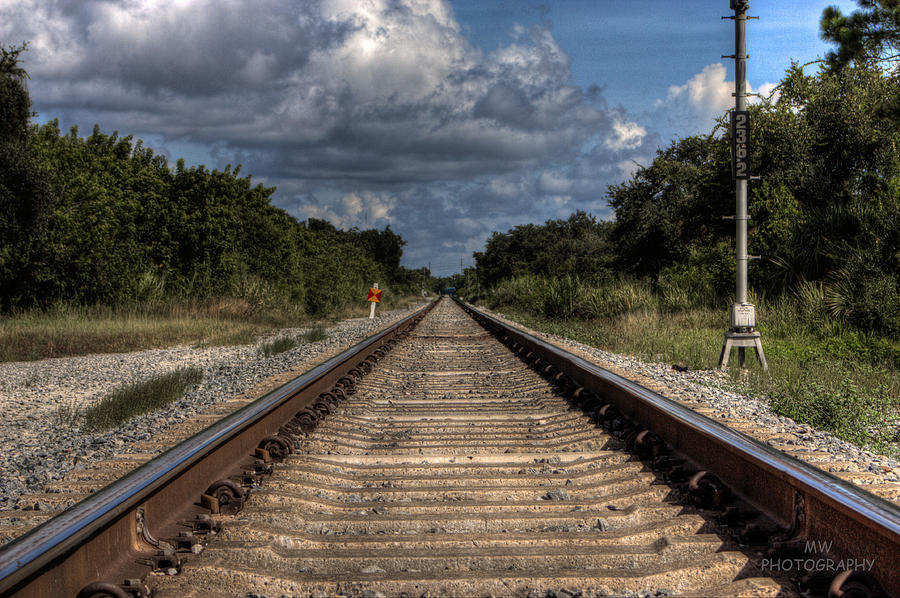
441,464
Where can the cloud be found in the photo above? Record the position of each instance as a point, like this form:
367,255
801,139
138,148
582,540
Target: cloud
358,209
553,183
198,48
384,90
707,92
694,106
380,108
626,135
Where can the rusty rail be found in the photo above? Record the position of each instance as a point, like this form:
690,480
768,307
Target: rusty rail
809,504
107,543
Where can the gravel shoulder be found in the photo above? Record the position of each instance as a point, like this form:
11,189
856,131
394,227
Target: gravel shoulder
708,392
41,443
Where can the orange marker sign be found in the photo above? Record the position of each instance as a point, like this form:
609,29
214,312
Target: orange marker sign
374,295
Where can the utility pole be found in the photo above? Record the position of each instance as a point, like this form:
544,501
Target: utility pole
743,331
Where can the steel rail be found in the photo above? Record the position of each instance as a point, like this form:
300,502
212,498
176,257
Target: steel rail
814,505
99,537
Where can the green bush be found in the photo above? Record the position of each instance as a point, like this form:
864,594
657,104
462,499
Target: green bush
876,304
810,302
149,288
260,295
843,410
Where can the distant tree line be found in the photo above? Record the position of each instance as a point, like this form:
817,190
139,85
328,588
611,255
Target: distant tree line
102,219
825,213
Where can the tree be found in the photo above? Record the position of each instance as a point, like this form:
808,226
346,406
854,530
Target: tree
872,33
384,247
826,210
24,197
15,103
578,246
674,206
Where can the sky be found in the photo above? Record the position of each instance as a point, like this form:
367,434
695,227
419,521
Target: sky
445,119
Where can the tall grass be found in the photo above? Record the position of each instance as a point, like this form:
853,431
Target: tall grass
567,296
141,397
561,296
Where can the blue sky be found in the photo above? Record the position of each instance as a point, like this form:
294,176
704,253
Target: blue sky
445,119
636,49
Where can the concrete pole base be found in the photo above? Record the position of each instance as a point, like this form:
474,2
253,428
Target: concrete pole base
741,340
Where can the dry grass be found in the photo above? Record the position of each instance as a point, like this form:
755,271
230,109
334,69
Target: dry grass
389,302
66,330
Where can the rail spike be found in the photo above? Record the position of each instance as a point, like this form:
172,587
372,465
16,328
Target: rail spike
307,419
224,496
707,490
278,447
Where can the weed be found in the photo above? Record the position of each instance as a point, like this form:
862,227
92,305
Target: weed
66,414
278,345
140,397
315,334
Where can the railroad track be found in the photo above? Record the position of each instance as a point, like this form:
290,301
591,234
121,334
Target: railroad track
446,466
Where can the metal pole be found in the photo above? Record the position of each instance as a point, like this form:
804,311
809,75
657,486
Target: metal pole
740,96
742,332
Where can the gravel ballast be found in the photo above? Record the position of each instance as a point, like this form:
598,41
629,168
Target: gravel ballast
41,439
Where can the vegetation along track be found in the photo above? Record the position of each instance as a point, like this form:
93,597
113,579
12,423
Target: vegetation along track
451,468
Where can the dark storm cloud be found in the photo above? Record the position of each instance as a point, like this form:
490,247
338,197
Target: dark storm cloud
378,110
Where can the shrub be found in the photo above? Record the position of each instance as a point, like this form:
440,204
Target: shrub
845,411
810,300
876,304
259,294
